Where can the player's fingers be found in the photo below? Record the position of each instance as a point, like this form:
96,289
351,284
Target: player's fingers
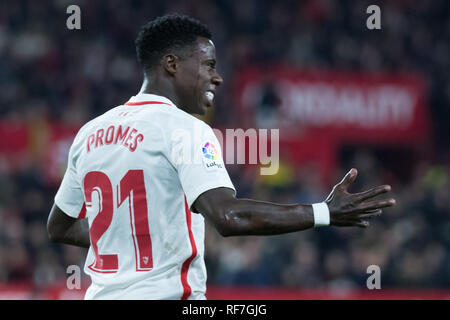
370,214
373,205
348,179
363,224
354,223
371,211
372,192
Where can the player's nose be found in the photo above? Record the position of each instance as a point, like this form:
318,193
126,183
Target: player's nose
217,79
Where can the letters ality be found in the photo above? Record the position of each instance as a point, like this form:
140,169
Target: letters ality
374,20
74,20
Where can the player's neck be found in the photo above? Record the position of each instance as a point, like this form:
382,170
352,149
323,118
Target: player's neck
160,89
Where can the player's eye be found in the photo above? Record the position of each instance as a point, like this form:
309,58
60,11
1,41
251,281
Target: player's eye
212,64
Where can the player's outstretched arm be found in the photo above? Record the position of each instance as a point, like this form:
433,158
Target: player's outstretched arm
68,230
233,217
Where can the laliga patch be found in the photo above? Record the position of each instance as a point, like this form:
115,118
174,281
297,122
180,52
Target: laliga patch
211,158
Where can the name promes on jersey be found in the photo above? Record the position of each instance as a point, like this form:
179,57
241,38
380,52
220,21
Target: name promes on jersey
115,134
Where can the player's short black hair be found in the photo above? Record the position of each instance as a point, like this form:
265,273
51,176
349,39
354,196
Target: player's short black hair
165,33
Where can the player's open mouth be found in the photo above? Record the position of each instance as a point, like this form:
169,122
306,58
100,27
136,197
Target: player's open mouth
209,96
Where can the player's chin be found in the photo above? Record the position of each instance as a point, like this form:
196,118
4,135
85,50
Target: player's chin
204,108
200,110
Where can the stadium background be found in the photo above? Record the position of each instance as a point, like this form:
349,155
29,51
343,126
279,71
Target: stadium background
53,79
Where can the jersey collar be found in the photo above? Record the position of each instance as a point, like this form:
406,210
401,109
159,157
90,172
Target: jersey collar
148,99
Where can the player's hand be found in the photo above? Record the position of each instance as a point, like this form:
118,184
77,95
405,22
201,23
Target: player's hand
347,209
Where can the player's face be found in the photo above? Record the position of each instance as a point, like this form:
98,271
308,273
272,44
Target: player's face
200,78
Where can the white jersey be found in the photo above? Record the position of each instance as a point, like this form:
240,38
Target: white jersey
134,173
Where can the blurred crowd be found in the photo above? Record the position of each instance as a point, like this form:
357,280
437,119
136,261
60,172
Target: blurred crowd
49,73
409,242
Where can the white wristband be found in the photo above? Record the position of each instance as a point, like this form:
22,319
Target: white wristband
321,214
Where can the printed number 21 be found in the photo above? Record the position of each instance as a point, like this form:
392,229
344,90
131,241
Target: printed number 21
131,187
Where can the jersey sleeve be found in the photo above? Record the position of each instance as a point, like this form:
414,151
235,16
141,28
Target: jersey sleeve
69,197
197,156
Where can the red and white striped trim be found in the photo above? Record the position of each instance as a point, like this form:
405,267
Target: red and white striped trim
145,102
185,267
82,213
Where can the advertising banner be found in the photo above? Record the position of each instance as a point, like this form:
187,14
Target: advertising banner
343,106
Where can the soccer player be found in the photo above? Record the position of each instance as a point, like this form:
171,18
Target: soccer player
138,203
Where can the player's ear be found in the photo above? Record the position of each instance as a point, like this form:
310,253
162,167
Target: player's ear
171,63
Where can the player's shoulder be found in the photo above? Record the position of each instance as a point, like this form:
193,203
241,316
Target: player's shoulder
186,120
91,123
86,128
170,118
